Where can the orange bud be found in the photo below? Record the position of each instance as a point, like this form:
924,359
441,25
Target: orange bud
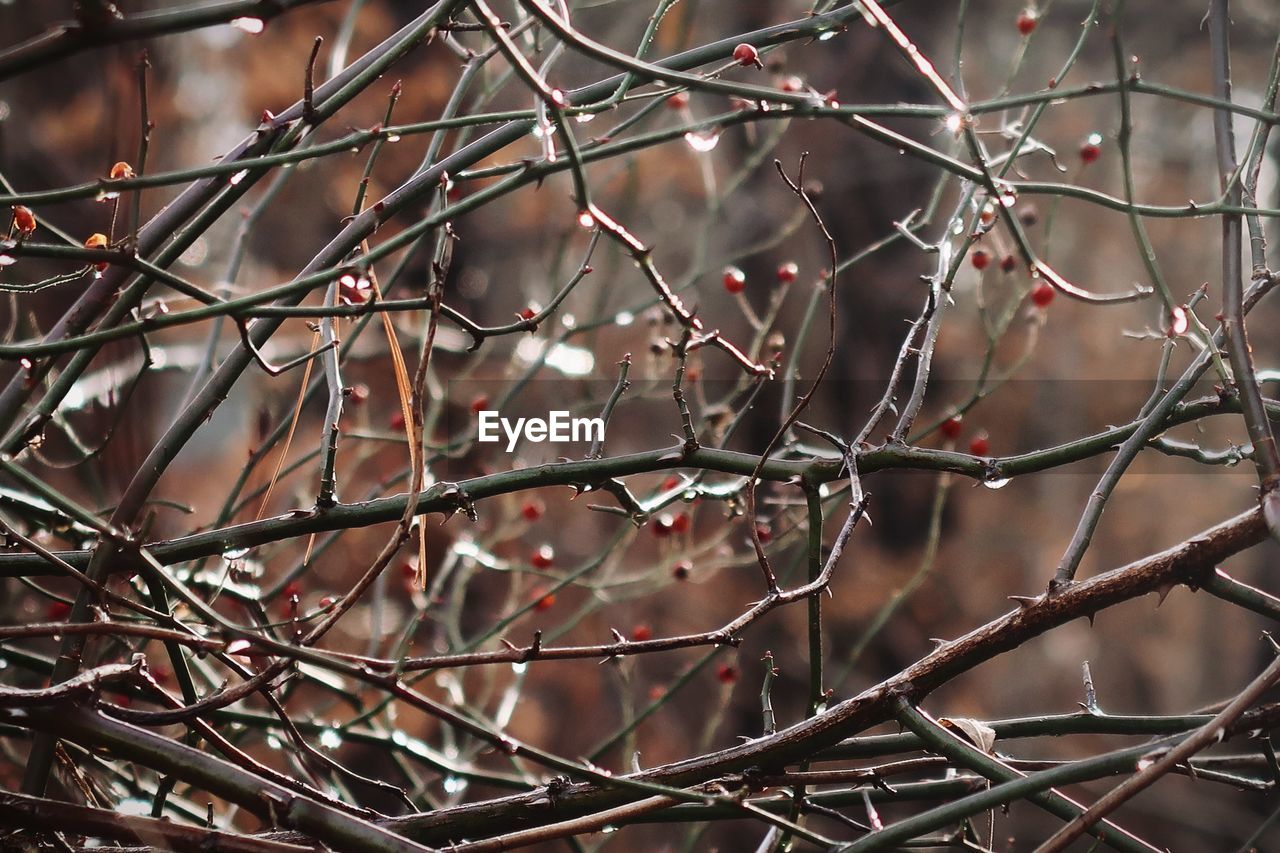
97,241
121,170
23,219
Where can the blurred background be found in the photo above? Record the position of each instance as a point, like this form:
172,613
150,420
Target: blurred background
1057,372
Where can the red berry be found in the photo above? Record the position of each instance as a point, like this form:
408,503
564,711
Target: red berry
353,290
528,314
23,219
641,632
291,589
532,510
791,84
408,570
1089,152
734,279
479,403
680,523
161,674
951,427
543,557
678,101
57,611
681,570
1042,294
1027,21
787,272
662,526
326,602
672,481
980,259
397,420
979,445
745,54
764,533
543,600
727,674
1008,263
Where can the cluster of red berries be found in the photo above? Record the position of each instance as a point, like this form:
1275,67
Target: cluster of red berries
735,280
979,445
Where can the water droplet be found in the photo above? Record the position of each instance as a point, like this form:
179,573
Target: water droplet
399,738
252,26
558,98
953,123
568,321
624,318
274,742
827,36
1094,138
583,118
454,785
234,554
330,739
703,142
238,176
393,137
106,195
608,829
1008,199
586,220
1145,762
1178,321
996,483
7,260
519,668
957,227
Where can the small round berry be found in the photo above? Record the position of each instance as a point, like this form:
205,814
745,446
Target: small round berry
532,509
408,570
528,314
641,632
791,84
980,259
1089,152
1008,263
951,427
1027,20
353,290
678,100
396,422
681,522
764,533
670,483
543,600
979,445
787,272
745,54
681,570
735,280
1042,294
479,403
1028,215
662,526
23,219
727,674
291,589
543,557
987,217
57,611
326,602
